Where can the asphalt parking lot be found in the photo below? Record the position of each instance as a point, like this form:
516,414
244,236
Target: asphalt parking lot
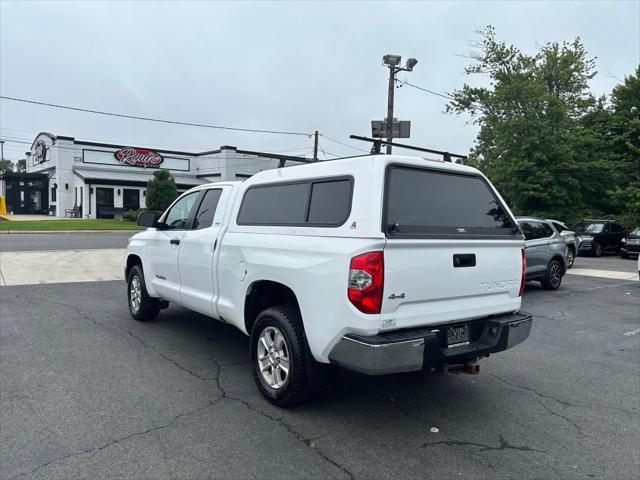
86,392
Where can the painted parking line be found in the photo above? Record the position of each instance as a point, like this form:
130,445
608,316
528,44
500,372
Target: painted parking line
592,272
64,266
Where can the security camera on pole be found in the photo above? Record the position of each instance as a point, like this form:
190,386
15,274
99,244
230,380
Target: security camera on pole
390,124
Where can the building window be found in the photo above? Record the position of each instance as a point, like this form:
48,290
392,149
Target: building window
54,190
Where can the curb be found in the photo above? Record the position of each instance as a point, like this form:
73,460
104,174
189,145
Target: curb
53,232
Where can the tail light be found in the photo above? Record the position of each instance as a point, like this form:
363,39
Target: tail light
366,282
524,273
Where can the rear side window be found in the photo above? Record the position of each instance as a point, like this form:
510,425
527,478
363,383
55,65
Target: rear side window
207,209
547,231
321,203
427,202
330,202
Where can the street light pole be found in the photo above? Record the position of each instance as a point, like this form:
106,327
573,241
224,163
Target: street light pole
393,62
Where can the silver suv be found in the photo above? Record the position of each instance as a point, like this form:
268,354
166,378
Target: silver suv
572,239
545,251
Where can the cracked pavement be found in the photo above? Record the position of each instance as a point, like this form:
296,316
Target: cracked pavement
86,392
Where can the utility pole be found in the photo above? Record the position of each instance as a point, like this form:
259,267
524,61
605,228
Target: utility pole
390,98
315,147
393,62
1,150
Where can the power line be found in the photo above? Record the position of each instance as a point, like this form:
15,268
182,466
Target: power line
344,144
404,82
150,119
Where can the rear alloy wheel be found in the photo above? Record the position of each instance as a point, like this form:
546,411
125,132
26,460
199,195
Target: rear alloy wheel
279,356
596,249
571,257
553,276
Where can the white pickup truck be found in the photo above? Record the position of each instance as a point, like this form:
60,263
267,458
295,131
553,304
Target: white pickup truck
379,264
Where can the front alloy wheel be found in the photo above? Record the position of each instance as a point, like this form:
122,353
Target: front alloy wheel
597,250
135,294
141,306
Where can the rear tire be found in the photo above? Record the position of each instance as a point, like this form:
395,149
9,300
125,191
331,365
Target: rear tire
142,307
279,356
624,255
596,249
553,276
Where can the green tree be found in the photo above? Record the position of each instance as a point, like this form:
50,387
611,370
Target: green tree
21,166
529,123
6,165
624,135
161,191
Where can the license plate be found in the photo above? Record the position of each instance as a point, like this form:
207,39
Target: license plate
457,336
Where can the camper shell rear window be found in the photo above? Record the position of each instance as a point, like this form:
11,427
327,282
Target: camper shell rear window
429,203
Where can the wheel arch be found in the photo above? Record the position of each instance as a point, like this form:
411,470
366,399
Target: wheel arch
262,294
132,260
562,261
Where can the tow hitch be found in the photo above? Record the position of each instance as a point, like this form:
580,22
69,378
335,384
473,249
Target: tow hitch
470,368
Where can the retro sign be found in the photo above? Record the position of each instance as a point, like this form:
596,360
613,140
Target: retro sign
139,157
40,152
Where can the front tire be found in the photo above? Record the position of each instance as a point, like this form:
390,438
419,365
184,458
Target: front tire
142,307
279,356
553,276
596,249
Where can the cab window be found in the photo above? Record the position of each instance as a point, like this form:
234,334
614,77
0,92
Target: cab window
178,215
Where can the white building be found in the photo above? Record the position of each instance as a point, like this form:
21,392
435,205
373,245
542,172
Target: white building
102,180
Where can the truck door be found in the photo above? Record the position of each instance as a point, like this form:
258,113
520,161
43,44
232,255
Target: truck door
198,252
163,248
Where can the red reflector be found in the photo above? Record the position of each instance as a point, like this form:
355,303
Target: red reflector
523,278
366,282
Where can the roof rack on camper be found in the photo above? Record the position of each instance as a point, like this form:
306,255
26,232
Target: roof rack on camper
377,143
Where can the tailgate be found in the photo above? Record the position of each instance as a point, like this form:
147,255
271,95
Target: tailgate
429,282
453,249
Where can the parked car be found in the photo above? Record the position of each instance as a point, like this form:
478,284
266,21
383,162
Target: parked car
546,252
376,264
600,236
630,244
570,237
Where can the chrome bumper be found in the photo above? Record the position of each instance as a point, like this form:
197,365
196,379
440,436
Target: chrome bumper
425,347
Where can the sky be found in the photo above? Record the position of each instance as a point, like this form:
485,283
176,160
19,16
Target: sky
289,66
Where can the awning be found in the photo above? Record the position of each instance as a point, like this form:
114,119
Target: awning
96,176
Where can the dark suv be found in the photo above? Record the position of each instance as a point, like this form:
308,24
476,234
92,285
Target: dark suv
600,236
631,244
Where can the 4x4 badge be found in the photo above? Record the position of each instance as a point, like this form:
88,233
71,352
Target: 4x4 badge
393,296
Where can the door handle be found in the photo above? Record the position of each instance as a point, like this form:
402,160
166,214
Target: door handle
174,241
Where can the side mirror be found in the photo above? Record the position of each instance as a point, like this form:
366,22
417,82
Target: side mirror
148,219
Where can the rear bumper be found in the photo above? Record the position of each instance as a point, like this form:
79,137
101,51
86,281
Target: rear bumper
425,347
